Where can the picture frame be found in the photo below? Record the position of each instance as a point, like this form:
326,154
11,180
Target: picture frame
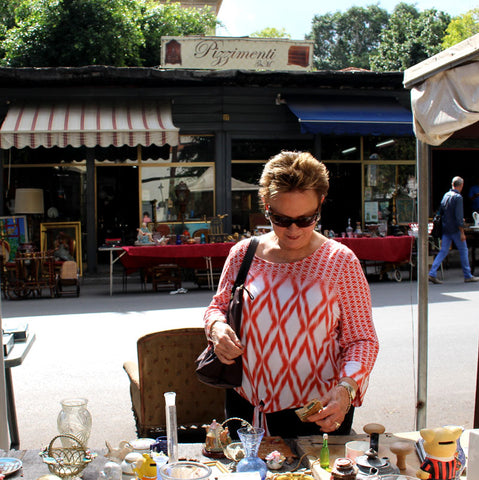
62,235
13,232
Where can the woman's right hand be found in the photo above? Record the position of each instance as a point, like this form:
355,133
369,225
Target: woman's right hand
225,342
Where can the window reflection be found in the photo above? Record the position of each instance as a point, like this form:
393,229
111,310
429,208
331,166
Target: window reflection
159,198
389,148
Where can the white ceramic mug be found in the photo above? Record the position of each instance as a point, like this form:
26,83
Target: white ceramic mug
355,448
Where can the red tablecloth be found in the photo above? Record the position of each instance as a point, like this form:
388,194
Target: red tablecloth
381,249
188,256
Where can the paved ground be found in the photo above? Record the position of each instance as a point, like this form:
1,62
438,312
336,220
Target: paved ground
82,343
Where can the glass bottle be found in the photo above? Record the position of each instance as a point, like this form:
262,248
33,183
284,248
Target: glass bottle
349,229
74,419
324,453
358,228
251,438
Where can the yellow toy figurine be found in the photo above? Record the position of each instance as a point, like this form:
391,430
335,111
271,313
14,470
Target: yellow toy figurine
440,445
145,468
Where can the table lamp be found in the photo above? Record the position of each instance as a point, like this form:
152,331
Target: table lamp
29,201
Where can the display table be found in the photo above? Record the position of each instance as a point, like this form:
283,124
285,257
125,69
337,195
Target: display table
381,249
309,446
198,255
34,467
388,252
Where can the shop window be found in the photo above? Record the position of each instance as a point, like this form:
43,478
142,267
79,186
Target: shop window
389,148
390,193
246,208
340,148
46,156
263,150
160,194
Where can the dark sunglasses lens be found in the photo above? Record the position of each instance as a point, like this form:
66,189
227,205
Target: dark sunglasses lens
281,221
305,221
286,222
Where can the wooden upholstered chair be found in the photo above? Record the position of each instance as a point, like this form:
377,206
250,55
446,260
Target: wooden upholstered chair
166,363
68,277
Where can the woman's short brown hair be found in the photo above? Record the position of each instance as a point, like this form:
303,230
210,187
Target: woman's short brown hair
290,171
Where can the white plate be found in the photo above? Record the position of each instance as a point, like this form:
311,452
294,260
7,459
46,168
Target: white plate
9,465
474,228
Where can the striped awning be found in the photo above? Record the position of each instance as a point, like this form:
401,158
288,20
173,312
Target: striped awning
88,124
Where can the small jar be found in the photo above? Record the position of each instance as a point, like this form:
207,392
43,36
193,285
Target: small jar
343,469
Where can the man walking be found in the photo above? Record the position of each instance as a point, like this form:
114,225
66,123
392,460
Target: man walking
452,215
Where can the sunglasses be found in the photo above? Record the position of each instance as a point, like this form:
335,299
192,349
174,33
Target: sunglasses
285,222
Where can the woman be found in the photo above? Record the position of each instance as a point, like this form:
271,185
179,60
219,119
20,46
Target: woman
307,329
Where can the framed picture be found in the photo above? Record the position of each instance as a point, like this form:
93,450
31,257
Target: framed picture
13,232
64,238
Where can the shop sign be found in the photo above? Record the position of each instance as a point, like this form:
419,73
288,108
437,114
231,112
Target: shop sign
225,53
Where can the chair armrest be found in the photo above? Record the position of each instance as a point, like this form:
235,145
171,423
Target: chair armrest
131,369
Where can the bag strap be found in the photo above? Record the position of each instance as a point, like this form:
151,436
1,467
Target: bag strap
245,264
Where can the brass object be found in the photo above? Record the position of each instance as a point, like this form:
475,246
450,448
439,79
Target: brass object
66,462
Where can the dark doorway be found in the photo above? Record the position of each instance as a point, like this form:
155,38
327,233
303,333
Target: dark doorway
448,163
117,203
344,197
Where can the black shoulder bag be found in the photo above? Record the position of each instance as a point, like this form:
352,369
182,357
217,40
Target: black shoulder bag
436,231
209,369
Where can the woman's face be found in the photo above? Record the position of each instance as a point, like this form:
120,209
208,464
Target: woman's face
294,204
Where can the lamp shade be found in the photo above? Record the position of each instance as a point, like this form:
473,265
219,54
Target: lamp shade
29,200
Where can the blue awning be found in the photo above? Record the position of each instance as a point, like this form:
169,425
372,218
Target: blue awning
347,115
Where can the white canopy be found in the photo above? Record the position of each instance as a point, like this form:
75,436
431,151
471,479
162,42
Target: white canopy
206,183
88,124
445,92
444,99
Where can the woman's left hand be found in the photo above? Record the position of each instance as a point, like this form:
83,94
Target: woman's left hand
335,406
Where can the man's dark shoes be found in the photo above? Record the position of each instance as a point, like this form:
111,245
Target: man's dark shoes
438,282
472,279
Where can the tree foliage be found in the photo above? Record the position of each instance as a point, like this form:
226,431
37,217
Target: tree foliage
461,28
347,39
271,32
95,32
410,37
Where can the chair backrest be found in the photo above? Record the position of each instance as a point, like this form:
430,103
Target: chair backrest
69,270
166,363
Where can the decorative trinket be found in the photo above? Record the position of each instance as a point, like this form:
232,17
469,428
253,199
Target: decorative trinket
275,460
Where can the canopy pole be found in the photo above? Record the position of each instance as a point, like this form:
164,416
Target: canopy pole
422,152
4,436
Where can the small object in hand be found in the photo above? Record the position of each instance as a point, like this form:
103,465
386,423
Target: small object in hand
312,407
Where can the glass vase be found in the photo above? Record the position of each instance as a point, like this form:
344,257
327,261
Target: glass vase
251,438
74,419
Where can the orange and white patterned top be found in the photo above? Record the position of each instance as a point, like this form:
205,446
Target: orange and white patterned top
308,325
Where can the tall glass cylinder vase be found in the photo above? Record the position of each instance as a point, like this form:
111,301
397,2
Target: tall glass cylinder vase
74,419
171,426
251,438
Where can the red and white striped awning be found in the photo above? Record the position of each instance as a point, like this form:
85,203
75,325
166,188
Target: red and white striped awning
88,124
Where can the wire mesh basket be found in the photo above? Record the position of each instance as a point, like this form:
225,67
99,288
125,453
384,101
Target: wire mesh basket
66,462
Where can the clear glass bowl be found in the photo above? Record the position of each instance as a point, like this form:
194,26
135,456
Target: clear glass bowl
185,470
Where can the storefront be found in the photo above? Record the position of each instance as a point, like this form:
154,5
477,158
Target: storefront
213,131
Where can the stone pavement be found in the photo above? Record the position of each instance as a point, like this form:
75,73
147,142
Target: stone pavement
82,343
